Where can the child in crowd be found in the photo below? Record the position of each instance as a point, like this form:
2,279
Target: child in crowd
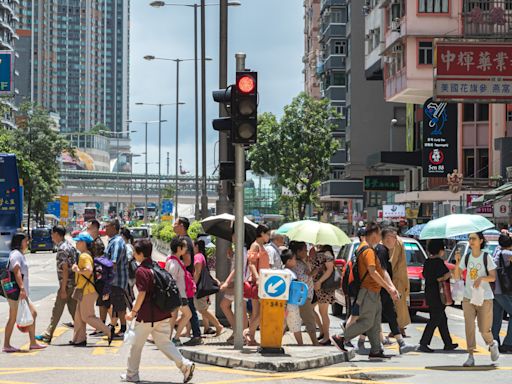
293,319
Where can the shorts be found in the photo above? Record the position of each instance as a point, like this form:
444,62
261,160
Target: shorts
231,297
293,320
307,315
201,304
118,299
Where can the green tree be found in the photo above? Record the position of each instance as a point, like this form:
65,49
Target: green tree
37,147
168,192
296,151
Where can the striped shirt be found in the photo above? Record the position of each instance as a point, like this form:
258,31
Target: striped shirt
116,252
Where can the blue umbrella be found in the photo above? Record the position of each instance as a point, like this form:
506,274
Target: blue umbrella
415,231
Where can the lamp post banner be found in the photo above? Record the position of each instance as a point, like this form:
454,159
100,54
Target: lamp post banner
439,148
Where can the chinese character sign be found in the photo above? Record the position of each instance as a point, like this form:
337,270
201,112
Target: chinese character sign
6,72
439,152
473,71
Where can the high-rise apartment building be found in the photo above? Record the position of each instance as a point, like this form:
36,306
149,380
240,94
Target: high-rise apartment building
8,37
311,47
78,65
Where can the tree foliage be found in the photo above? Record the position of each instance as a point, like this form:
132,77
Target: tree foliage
297,150
37,148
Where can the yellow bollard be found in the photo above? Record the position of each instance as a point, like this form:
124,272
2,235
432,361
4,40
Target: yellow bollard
272,325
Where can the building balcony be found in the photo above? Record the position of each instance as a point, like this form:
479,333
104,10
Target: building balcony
483,19
402,88
324,4
341,125
341,189
396,31
333,30
339,158
335,93
335,62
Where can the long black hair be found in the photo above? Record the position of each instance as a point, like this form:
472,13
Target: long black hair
17,240
201,246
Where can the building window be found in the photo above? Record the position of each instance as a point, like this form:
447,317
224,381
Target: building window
338,79
469,112
469,163
483,163
336,16
338,48
425,53
433,6
483,112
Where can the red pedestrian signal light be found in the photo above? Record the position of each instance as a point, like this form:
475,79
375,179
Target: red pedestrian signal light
246,84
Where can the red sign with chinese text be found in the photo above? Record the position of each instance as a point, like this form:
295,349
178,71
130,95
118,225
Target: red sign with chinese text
473,70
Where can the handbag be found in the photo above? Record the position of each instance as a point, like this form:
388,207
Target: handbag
445,292
250,290
9,287
207,285
78,294
333,281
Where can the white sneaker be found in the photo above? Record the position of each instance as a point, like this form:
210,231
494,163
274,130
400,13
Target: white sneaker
130,379
470,362
495,351
188,372
407,348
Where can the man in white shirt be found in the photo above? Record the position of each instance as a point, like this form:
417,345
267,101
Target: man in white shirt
274,251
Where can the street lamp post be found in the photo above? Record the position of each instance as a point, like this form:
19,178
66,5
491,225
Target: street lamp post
158,4
177,61
159,105
146,161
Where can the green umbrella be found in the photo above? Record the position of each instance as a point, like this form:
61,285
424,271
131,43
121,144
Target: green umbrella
454,225
318,233
283,229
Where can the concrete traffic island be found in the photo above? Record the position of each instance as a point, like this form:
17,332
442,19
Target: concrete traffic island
296,358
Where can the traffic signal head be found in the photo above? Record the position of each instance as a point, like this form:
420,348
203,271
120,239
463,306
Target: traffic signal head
223,97
244,108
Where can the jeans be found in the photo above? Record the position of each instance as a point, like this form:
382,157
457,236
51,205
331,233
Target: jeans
160,332
194,321
502,303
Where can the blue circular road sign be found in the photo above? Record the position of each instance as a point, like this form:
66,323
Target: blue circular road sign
275,286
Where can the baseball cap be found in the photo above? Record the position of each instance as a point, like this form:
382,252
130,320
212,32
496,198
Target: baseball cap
84,236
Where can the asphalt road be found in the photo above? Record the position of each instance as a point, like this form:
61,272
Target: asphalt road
62,364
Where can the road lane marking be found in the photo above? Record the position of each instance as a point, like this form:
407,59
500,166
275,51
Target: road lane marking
14,382
479,350
2,330
102,347
25,351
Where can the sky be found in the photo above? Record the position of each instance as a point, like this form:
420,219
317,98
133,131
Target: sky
270,32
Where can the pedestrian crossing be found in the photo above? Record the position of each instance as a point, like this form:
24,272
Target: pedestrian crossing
25,351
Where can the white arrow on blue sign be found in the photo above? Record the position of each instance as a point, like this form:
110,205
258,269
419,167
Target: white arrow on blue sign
275,286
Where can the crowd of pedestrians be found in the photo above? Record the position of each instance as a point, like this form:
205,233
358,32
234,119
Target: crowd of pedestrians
118,280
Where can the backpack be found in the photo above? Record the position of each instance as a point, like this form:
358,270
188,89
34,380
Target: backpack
351,281
165,294
190,284
504,275
485,262
103,275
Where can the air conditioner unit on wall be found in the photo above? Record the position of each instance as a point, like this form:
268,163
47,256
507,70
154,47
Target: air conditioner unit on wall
395,25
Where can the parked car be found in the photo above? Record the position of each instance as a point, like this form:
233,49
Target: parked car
416,257
41,240
140,233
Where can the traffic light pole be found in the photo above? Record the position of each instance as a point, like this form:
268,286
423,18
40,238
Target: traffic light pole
239,230
223,205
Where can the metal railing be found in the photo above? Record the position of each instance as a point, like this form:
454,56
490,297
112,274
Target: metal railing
487,18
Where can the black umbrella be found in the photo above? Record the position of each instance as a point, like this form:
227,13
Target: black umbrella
223,225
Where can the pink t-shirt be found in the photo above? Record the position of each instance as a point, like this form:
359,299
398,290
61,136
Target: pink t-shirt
199,258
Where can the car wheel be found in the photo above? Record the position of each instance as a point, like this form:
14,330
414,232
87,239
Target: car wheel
337,309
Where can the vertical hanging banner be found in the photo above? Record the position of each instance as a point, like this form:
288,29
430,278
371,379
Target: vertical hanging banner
439,152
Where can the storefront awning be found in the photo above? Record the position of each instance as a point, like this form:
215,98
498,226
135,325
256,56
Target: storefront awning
493,195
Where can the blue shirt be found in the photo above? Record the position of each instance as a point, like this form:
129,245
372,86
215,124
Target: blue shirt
116,252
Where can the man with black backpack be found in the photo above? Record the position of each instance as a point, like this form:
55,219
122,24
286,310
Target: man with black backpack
371,278
502,293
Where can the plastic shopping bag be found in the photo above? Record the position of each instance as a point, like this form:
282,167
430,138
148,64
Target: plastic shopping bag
129,335
457,288
24,317
477,296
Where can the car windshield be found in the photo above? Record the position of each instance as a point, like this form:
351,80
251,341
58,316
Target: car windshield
41,232
415,256
139,233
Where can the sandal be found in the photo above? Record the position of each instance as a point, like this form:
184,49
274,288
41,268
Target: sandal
37,346
209,331
219,331
10,350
